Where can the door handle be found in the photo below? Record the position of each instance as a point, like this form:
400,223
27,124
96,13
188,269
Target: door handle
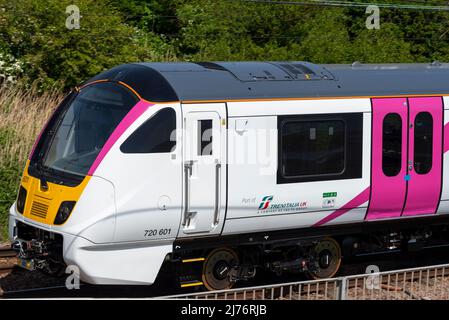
188,165
217,193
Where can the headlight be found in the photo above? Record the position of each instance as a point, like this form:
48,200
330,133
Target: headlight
21,200
65,209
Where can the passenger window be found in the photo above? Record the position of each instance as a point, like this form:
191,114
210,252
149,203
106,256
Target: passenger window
156,135
313,148
319,147
204,137
392,144
423,142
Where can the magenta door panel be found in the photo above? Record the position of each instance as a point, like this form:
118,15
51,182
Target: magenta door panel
424,155
387,191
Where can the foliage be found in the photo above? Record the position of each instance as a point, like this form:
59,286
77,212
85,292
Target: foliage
11,69
35,32
34,37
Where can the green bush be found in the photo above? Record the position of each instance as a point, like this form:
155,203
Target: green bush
35,32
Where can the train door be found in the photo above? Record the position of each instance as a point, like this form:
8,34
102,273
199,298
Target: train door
425,154
406,157
204,168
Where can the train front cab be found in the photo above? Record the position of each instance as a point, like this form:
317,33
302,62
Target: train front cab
86,167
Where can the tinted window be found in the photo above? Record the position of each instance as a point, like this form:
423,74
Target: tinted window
391,144
319,147
423,142
156,135
204,137
313,148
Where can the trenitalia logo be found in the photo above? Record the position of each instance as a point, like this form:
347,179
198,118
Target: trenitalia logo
265,202
267,206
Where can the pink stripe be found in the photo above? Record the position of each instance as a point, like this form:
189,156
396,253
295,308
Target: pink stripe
40,135
446,137
360,199
37,141
45,127
129,119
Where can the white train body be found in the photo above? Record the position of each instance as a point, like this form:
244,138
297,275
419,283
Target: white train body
242,179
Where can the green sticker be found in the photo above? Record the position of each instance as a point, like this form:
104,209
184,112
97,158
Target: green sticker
329,194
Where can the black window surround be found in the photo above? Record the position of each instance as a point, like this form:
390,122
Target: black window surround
352,153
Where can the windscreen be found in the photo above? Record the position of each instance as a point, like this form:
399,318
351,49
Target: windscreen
80,131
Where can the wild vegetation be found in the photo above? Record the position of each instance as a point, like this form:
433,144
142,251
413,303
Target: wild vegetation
40,58
23,112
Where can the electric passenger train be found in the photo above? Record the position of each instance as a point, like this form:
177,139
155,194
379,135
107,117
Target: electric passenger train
214,171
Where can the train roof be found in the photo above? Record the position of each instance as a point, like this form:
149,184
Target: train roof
211,81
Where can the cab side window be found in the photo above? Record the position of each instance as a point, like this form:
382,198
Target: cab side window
156,135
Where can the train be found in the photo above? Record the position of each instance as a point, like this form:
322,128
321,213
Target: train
210,172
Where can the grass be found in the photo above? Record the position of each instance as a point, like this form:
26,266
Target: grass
23,113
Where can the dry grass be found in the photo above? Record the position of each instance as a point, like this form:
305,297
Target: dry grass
23,113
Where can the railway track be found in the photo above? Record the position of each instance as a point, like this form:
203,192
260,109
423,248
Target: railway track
6,268
5,254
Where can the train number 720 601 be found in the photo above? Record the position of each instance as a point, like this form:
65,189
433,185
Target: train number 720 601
155,232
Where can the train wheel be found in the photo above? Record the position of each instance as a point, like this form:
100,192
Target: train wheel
328,255
216,269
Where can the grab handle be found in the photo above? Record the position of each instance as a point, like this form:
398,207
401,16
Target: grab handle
187,173
217,193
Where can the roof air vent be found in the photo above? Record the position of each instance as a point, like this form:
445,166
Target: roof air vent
211,65
303,71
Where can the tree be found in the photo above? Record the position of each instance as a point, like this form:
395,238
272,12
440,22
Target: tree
35,32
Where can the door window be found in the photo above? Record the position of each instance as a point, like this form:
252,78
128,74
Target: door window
391,144
204,137
423,142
